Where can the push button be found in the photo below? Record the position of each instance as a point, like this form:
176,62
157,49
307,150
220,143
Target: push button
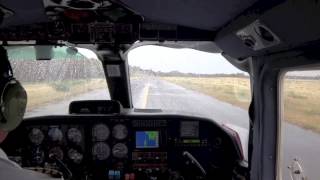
111,175
114,175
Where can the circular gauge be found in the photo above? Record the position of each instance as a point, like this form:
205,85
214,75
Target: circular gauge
101,151
74,135
36,136
120,131
120,150
57,151
37,156
55,134
100,132
75,156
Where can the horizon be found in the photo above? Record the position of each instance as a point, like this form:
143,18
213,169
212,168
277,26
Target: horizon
184,60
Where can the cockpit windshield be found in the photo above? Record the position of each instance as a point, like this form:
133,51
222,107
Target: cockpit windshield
55,76
188,81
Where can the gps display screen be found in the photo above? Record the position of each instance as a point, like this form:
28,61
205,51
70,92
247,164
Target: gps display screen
147,139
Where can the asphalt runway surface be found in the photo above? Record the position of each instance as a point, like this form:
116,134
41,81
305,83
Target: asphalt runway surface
158,94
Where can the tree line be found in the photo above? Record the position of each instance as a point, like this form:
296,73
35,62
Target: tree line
137,71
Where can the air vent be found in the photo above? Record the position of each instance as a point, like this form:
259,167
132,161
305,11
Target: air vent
264,33
258,36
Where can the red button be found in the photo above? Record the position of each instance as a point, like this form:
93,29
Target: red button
126,177
132,176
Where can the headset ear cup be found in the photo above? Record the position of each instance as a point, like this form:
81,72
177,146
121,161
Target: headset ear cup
14,103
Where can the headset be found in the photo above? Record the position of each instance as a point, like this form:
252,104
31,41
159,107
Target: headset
13,97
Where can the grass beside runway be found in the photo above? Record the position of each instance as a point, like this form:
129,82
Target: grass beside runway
235,91
43,93
301,97
302,103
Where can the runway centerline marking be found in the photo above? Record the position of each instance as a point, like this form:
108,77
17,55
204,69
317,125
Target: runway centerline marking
145,96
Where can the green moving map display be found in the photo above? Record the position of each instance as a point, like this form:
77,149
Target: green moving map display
147,139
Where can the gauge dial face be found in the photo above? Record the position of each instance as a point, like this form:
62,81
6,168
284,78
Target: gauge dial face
57,151
75,156
55,134
119,150
101,151
74,135
36,136
100,132
120,131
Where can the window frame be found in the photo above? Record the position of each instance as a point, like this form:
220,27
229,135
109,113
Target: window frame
306,59
309,67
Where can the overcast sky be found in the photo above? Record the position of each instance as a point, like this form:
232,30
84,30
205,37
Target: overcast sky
166,59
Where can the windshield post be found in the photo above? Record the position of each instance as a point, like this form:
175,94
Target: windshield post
116,72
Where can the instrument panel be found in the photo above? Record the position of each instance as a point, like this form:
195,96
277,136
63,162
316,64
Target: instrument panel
123,147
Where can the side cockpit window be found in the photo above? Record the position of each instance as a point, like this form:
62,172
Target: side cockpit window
301,125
